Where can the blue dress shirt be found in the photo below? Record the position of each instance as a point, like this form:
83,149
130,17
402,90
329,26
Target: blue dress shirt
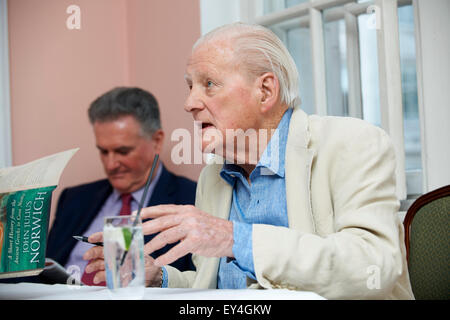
262,202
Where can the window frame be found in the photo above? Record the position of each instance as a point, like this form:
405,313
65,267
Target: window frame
310,14
5,100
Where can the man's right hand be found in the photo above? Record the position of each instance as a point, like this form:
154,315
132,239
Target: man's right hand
95,255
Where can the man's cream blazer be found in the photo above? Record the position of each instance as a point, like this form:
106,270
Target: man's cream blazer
344,240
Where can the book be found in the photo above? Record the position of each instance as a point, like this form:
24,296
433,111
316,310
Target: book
25,201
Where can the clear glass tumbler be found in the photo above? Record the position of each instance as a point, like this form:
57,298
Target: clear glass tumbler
123,247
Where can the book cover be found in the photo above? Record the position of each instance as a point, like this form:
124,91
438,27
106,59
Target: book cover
24,218
25,201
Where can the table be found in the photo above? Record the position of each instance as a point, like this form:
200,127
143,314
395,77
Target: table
36,291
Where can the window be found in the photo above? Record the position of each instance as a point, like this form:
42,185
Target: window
299,44
335,45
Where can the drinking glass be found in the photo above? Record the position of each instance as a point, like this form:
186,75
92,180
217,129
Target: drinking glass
123,247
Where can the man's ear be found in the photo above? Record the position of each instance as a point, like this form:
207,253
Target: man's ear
269,88
158,140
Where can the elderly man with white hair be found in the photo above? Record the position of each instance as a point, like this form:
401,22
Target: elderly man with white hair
314,208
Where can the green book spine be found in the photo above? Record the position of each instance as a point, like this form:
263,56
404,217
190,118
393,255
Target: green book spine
24,220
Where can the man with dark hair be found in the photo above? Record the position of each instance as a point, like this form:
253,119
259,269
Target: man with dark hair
128,134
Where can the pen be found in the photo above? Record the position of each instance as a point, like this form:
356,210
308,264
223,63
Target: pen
85,239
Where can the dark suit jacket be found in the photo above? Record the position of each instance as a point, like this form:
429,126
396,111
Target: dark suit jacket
78,206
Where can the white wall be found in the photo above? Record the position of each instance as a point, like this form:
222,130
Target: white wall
215,13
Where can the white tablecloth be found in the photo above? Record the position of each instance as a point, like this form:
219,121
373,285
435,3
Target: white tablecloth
63,292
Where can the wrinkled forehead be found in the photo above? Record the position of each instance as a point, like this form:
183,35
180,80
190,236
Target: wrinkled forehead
214,53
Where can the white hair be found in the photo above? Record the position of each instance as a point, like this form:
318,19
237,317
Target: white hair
259,50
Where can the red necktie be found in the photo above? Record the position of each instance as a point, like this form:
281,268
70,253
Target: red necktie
88,278
126,204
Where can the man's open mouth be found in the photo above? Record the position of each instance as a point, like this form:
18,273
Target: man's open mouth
206,125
